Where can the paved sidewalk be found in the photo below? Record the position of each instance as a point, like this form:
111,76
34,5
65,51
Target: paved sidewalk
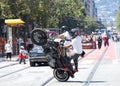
14,58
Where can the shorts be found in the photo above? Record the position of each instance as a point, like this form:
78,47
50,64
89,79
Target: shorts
8,55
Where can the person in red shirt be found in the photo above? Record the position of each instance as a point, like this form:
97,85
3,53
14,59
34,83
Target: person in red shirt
22,55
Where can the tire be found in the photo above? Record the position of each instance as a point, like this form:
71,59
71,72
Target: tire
38,37
61,75
32,64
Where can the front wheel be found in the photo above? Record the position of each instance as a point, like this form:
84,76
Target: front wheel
61,75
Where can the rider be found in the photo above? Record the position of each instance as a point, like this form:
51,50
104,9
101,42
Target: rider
77,48
75,41
64,32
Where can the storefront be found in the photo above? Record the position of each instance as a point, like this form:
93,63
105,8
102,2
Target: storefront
13,31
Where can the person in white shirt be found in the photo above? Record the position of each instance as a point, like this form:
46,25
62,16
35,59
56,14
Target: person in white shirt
65,33
8,50
20,42
76,44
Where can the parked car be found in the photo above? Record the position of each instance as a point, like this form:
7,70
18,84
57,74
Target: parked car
37,56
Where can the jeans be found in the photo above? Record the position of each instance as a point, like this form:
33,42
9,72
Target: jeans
22,60
75,59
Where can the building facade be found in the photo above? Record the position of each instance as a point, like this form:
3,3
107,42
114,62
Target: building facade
90,8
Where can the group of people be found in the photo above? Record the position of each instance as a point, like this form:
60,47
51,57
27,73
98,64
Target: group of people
102,39
23,54
74,43
28,44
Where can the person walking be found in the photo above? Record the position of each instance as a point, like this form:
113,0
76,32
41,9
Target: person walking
22,55
106,41
29,44
20,41
8,50
99,40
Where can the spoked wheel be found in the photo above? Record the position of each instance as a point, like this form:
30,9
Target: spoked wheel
38,37
61,75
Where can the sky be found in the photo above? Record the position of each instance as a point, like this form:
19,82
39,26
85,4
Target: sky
107,9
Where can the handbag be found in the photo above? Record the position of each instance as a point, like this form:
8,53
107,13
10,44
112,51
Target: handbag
20,55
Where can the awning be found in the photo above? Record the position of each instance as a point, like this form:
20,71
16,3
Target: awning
14,21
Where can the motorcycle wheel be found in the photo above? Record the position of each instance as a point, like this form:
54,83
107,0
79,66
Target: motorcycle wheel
61,75
38,37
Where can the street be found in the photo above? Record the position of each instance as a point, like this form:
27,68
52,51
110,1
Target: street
97,68
42,32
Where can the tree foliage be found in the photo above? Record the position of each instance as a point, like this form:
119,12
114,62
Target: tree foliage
118,19
46,13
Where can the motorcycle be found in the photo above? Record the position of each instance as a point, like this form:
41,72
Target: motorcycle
56,54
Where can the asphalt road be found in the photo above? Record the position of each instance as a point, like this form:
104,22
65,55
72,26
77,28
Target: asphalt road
97,68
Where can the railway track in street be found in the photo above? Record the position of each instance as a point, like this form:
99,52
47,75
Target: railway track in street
16,63
89,77
11,65
5,64
8,65
82,78
12,68
12,72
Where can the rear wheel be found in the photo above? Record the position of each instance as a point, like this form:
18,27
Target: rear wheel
38,37
61,75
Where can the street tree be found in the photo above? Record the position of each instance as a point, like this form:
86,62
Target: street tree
118,20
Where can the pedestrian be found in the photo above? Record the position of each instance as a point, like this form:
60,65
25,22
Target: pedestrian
112,38
106,41
99,40
20,41
29,44
8,50
22,55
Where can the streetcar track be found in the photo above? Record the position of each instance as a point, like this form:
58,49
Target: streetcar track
15,71
51,78
12,64
91,75
8,65
45,83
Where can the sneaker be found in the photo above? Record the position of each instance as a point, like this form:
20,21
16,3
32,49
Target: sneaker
75,70
72,75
